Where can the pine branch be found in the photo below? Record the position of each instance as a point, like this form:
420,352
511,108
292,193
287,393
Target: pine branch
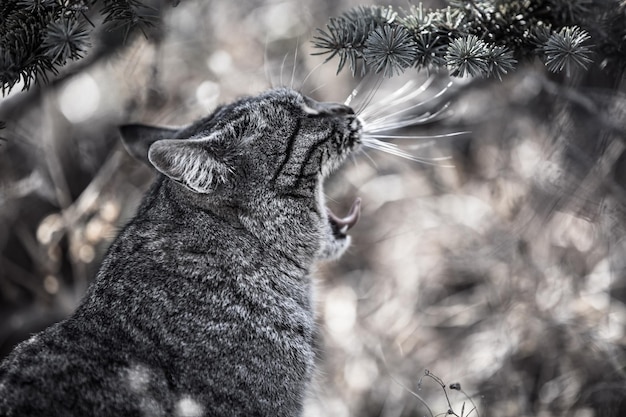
500,61
344,39
128,14
431,50
346,35
565,49
39,37
485,38
467,56
65,40
390,50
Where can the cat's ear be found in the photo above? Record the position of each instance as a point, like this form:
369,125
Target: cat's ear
191,162
138,138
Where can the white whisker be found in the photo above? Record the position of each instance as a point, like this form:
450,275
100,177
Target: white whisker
414,106
295,61
398,98
354,92
351,96
397,110
282,68
374,164
317,88
370,95
385,101
268,76
315,68
395,150
442,135
378,126
404,155
385,105
421,145
357,90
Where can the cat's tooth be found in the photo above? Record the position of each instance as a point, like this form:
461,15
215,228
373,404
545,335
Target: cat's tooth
346,223
353,216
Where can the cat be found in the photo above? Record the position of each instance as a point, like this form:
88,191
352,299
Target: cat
202,305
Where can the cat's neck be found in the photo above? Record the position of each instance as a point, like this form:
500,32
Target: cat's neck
269,219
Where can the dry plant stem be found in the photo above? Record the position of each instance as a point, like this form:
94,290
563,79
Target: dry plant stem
440,382
26,279
53,164
21,187
413,393
73,213
474,408
89,197
76,213
62,193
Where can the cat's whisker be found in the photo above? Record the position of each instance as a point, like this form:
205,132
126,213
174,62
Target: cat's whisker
381,126
393,112
396,124
353,160
315,68
395,150
385,101
266,61
370,96
352,94
282,68
367,155
421,160
398,98
295,62
414,106
317,88
442,135
355,91
421,145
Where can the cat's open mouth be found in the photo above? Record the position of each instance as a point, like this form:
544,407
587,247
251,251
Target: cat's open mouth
341,225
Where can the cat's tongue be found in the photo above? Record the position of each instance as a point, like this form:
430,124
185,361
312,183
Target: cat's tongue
342,225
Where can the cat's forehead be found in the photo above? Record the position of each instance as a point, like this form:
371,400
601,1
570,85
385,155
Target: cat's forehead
269,99
263,105
282,94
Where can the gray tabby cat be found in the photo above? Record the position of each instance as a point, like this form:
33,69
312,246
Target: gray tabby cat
202,306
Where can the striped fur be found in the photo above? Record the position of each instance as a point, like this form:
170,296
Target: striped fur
202,305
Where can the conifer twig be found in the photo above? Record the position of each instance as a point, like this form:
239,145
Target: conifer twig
476,38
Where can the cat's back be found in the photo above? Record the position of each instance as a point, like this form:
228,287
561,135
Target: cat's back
176,318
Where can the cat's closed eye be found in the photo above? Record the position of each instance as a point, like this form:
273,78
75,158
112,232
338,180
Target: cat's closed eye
316,108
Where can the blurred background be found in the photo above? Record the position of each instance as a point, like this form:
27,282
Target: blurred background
499,267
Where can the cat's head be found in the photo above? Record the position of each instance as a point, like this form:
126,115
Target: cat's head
279,143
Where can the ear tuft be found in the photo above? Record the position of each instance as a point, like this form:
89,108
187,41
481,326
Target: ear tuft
191,162
138,138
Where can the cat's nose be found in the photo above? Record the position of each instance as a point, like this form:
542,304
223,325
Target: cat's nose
314,108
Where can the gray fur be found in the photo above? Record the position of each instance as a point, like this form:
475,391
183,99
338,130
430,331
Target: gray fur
202,305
